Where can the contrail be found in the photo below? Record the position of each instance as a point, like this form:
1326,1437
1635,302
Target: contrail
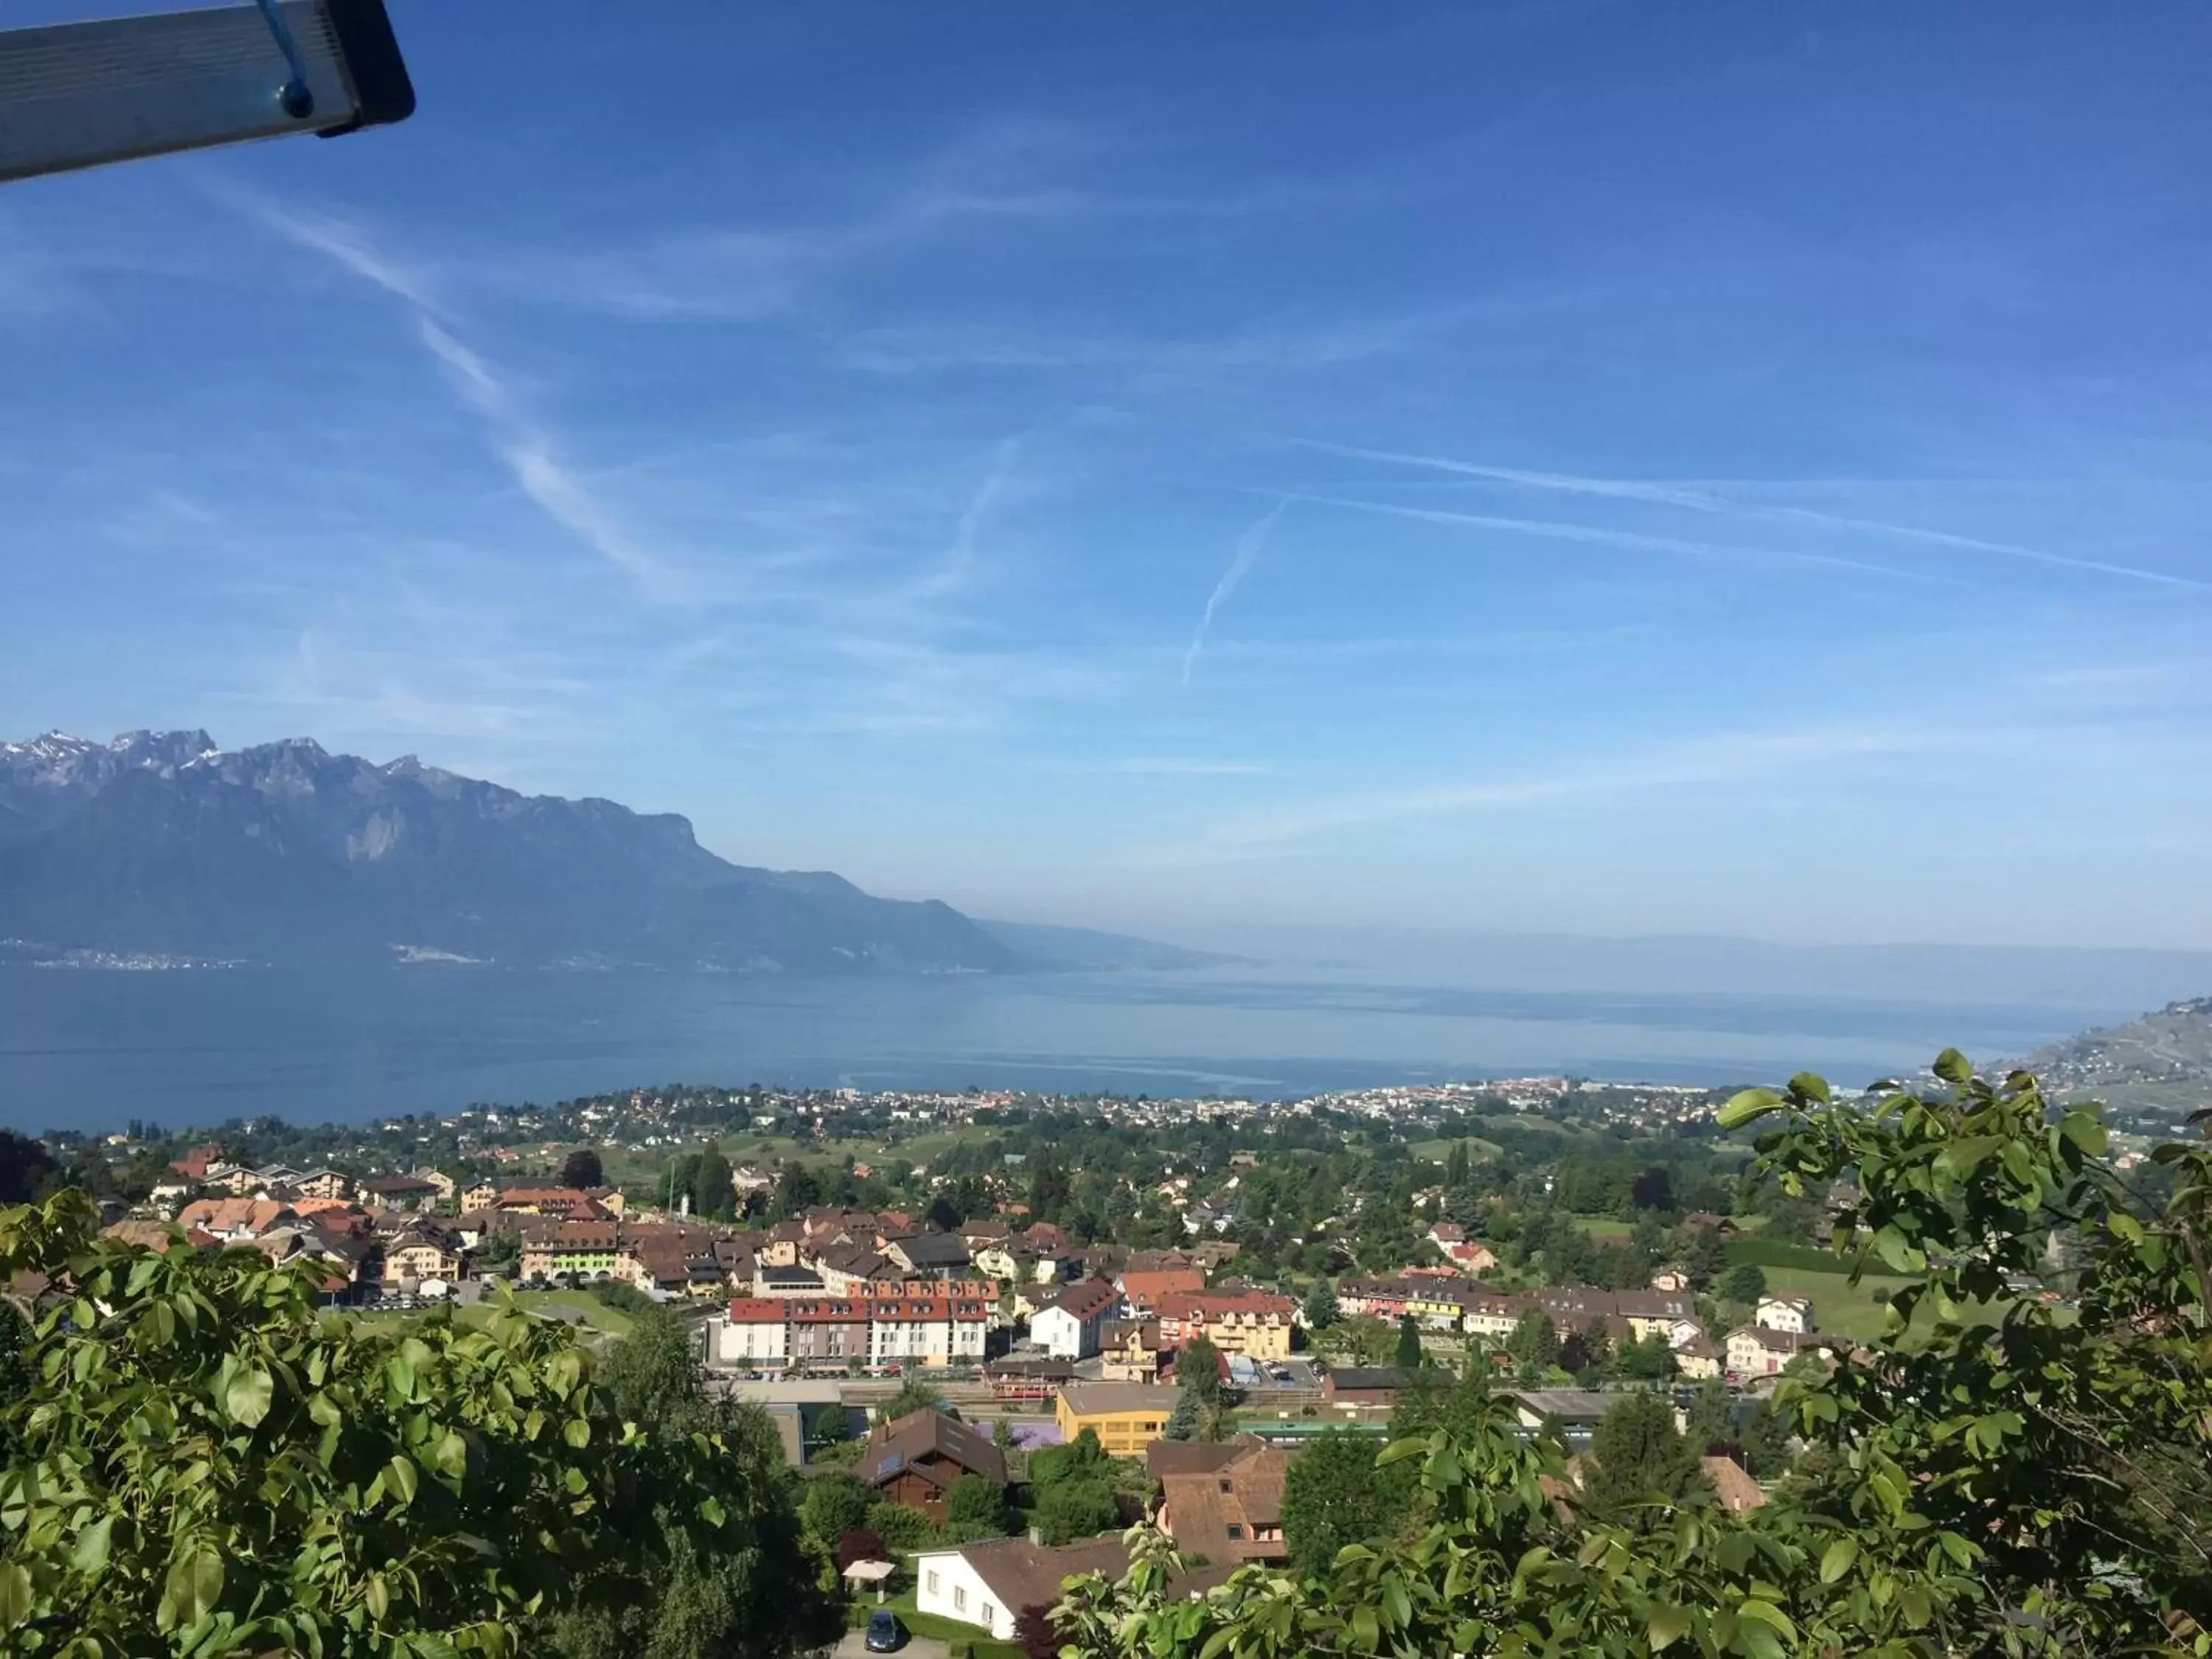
1696,501
1631,539
1249,546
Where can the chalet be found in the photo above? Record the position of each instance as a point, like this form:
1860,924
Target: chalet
1756,1350
1674,1276
913,1459
1784,1312
1231,1511
1129,1351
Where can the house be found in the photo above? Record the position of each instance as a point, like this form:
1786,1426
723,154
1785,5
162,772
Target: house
930,1256
1125,1416
565,1203
989,1583
1674,1276
1734,1488
1654,1313
195,1163
1578,1410
1129,1350
234,1220
1362,1385
1700,1358
1067,1326
480,1195
1142,1288
322,1183
911,1461
1784,1312
413,1257
1473,1258
1761,1350
1254,1322
1702,1220
403,1192
578,1250
1230,1511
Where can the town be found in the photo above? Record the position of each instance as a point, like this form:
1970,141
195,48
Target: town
930,1294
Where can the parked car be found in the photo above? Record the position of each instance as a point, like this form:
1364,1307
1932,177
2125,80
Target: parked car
885,1633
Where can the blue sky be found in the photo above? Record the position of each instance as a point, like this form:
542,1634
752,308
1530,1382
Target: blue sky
1605,467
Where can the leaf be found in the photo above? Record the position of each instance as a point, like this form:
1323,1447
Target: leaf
401,1479
577,1431
1748,1104
90,1554
1838,1559
2084,1132
378,1597
1666,1623
454,1454
712,1508
14,1595
247,1398
1953,1067
193,1587
1811,1084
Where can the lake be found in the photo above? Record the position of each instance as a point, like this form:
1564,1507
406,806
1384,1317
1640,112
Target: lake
89,1050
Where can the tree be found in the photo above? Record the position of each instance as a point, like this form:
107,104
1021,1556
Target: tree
1705,1254
797,1190
976,1507
828,1423
1034,1633
1320,1308
1648,1359
25,1167
1712,1419
914,1394
1075,1509
1183,1421
1654,1189
713,1193
582,1168
1333,1495
1198,1370
1746,1282
1638,1458
352,1491
1410,1355
834,1505
1534,1341
859,1544
1997,1476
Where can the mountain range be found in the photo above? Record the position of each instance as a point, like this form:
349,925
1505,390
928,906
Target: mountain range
161,844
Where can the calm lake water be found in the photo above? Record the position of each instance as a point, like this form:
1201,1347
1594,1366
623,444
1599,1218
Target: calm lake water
88,1049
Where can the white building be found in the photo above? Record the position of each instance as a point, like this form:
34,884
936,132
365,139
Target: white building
752,1336
1067,1326
1784,1312
987,1583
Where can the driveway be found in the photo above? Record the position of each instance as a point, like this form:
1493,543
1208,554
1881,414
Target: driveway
854,1646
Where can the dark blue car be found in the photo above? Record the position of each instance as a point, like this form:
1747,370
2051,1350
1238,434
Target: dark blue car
885,1633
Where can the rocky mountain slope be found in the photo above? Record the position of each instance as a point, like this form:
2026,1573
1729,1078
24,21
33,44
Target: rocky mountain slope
162,843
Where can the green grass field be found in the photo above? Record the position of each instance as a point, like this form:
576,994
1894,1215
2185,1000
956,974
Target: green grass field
1839,1306
1603,1227
1436,1152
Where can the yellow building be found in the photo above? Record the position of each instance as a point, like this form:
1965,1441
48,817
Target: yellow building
1127,1417
1254,1322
